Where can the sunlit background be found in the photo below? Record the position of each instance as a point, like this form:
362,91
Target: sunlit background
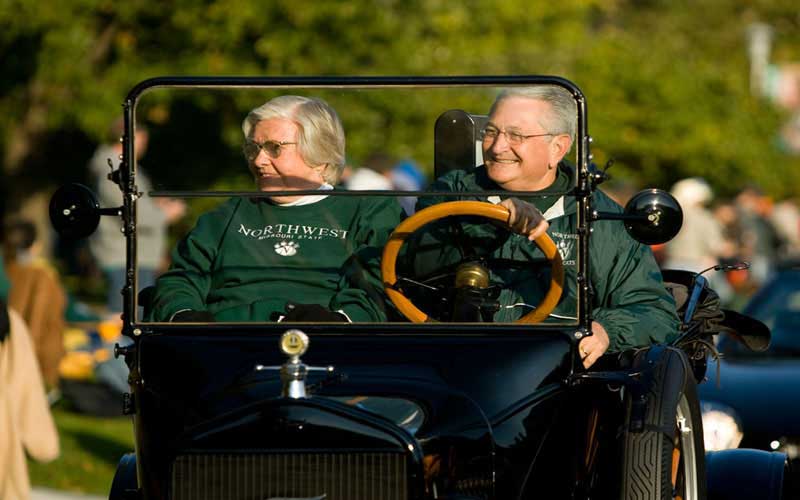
675,89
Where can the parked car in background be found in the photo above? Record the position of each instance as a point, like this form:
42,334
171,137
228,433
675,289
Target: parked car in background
752,399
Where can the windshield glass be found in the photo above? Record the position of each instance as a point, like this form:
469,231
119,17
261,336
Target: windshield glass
263,190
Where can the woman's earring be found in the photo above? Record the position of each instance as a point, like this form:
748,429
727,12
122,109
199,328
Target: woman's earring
549,167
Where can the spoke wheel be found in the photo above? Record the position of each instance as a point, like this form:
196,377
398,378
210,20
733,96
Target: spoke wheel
685,485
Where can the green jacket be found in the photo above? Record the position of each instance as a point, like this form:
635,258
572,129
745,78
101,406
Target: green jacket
248,257
629,298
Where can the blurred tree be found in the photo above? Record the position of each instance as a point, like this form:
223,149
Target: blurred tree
676,101
667,86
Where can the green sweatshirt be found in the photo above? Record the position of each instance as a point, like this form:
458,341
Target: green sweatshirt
248,257
629,298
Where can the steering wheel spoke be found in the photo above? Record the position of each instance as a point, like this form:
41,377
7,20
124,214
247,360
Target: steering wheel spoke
402,281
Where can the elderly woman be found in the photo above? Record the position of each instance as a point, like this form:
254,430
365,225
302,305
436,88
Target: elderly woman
299,258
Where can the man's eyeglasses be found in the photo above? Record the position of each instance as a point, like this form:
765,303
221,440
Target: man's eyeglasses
272,148
513,137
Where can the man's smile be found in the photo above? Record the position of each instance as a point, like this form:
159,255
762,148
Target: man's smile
502,161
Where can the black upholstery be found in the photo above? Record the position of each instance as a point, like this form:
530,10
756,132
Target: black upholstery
457,141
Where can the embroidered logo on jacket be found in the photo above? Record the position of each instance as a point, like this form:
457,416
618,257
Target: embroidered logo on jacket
564,248
286,248
565,243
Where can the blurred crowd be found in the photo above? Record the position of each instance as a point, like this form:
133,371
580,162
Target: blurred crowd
381,171
750,227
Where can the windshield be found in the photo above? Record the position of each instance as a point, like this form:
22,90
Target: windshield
286,200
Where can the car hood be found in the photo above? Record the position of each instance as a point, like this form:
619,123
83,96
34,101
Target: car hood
764,393
462,382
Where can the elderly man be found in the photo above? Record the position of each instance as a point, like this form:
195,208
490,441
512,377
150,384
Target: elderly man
528,133
284,256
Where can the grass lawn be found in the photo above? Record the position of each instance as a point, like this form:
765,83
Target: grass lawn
90,450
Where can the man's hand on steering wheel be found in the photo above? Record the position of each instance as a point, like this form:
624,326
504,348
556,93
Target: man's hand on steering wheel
524,218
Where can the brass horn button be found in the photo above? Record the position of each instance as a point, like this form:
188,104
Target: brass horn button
472,275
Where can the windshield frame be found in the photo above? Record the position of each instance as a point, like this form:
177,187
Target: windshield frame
132,323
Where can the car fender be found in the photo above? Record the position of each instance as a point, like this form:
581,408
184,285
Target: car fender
645,363
125,486
746,473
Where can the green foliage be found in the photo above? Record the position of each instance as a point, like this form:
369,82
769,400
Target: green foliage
680,105
667,83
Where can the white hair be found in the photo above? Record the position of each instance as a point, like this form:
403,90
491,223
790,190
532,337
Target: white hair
564,116
321,138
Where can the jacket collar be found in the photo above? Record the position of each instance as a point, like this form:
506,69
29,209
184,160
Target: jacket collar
563,205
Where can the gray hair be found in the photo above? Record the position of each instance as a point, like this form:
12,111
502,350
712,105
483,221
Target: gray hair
564,116
320,138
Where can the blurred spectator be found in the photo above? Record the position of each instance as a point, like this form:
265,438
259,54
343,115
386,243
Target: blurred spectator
37,294
347,172
785,217
4,283
699,244
22,245
407,176
382,172
373,175
4,289
25,420
727,216
153,215
4,320
760,241
620,190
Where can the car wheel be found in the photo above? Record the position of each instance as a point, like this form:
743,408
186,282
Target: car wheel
666,458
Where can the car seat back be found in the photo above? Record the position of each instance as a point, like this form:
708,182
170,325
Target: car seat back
457,142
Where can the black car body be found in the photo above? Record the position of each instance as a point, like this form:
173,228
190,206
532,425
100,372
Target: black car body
752,401
401,410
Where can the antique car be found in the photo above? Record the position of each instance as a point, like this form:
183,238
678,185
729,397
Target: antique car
439,400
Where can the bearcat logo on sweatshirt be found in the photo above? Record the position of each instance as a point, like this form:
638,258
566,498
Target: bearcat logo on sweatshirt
286,248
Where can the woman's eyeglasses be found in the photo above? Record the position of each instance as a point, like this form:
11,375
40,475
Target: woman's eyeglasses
272,148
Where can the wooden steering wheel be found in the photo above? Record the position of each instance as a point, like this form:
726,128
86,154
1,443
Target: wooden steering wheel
479,208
